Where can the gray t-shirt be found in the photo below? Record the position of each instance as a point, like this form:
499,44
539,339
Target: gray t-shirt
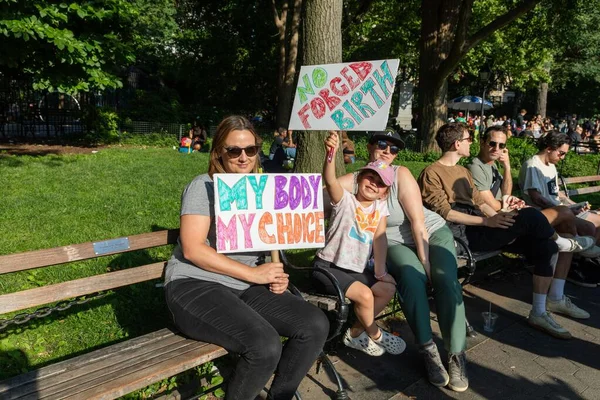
398,229
536,175
486,177
198,199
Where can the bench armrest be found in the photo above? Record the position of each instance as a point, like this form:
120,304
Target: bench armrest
468,254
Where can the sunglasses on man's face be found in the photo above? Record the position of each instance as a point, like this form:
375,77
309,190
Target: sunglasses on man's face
500,145
561,153
235,152
382,145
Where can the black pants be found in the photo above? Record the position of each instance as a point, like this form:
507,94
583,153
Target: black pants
250,322
530,235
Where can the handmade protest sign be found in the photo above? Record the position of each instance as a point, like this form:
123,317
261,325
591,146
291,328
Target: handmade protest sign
350,96
258,212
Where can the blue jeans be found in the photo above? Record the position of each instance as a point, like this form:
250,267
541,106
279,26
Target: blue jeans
250,322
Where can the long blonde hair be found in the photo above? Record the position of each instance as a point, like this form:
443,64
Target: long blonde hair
230,123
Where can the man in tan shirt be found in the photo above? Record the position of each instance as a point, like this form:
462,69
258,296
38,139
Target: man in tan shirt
448,189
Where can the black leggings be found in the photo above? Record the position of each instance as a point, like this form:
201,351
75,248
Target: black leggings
250,322
531,235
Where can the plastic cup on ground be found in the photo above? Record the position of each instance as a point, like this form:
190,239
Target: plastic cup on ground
489,321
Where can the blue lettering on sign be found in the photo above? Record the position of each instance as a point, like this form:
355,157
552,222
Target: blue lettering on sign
111,246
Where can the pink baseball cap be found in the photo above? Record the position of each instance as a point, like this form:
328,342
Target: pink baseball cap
385,172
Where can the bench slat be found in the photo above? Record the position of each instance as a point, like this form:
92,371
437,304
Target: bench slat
79,287
582,179
114,371
77,252
80,361
97,373
585,190
122,381
89,366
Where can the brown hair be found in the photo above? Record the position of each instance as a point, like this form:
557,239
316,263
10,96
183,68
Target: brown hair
230,123
448,134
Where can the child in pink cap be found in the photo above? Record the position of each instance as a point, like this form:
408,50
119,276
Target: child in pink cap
357,228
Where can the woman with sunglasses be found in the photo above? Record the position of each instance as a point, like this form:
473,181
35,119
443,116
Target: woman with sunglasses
421,253
236,300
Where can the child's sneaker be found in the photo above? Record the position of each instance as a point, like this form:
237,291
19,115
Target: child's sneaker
392,344
363,343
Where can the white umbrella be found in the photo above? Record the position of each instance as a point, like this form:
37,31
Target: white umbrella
469,103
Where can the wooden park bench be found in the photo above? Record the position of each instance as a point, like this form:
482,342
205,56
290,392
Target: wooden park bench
580,179
120,368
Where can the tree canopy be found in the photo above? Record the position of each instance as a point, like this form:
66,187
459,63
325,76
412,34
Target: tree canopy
68,46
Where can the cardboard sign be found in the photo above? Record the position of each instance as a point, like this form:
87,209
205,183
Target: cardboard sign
350,97
258,212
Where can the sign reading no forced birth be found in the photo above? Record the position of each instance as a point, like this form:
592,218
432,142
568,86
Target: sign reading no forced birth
350,96
258,212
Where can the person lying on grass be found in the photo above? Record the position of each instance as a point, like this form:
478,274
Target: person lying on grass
357,227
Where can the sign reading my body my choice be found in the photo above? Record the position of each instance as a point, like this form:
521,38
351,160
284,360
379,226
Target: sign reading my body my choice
350,96
257,212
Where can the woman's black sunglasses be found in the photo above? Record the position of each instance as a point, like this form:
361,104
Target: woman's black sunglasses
382,145
235,151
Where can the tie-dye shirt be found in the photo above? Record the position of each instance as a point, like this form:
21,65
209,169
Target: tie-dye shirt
349,238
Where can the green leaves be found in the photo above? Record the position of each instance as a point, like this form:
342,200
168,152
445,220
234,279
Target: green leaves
76,45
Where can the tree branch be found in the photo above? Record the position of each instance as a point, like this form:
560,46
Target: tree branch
499,23
463,45
279,20
464,16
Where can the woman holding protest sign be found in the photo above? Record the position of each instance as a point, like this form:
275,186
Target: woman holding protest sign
421,253
237,301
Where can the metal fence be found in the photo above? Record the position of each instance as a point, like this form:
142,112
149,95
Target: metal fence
146,127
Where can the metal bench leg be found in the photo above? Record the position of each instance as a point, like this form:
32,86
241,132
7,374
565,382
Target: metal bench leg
341,393
470,331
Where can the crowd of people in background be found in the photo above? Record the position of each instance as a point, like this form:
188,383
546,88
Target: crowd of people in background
583,132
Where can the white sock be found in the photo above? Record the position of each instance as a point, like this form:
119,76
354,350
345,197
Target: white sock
538,304
562,243
557,289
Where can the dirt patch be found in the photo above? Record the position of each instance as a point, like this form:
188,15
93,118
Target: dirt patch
38,149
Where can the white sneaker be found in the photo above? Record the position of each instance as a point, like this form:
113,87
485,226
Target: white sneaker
566,307
546,323
586,242
592,252
571,245
363,343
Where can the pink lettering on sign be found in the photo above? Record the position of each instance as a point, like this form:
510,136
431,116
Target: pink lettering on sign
350,79
317,106
302,113
226,233
362,69
342,90
246,225
332,101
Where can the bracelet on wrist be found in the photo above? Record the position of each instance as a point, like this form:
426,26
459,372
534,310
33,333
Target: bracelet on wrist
380,277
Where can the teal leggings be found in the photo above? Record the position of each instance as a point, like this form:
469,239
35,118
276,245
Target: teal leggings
404,265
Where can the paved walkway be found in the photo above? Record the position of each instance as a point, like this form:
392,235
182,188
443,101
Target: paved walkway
515,362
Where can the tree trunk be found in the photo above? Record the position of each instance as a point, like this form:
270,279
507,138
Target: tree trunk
281,24
444,43
288,29
433,112
542,99
439,31
322,44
